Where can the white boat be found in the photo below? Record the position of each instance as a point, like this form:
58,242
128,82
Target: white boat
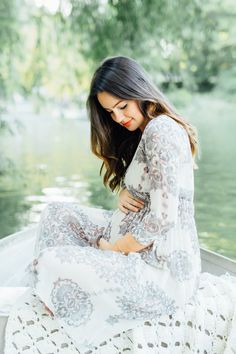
22,245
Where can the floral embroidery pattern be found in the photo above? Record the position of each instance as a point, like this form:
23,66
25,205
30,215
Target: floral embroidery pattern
180,265
69,255
145,302
137,193
162,148
149,256
71,303
152,227
127,269
185,208
140,153
186,216
65,224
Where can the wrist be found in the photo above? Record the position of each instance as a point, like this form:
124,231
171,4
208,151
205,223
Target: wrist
122,189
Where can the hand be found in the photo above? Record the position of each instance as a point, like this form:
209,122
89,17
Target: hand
104,245
128,203
127,244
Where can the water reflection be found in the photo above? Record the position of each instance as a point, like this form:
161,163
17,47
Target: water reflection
215,184
14,213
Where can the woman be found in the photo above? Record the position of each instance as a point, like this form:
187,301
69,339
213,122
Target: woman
129,279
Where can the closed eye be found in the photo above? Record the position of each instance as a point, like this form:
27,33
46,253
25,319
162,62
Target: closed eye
119,108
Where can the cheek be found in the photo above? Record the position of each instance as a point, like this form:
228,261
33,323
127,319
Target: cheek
134,112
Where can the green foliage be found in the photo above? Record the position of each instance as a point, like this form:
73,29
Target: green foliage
185,41
9,38
226,82
181,43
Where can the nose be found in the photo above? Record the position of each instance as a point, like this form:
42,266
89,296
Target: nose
118,116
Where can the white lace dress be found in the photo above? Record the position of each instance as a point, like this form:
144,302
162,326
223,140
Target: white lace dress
154,301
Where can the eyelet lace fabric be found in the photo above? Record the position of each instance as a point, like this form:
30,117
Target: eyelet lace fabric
208,326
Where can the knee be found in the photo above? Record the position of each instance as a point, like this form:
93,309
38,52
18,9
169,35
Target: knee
54,211
54,208
50,221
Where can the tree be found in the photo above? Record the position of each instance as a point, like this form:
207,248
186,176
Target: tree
9,39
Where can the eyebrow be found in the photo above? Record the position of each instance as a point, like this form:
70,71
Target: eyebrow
114,105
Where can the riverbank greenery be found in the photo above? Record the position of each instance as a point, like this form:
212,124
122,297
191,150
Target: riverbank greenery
52,51
49,49
48,52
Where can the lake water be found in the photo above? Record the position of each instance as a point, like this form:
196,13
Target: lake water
53,162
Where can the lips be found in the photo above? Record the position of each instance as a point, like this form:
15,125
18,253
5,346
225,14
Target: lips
127,123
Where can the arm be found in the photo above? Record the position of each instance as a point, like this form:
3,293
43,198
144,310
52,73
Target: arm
162,143
162,148
172,249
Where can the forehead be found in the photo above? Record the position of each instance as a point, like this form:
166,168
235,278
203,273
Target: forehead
107,100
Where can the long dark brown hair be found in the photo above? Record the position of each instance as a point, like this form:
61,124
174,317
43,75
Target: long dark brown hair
124,78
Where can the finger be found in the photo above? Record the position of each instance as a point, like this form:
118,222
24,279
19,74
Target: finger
131,207
140,201
136,203
130,196
123,209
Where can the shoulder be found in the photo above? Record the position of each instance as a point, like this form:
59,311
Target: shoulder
162,123
163,135
162,128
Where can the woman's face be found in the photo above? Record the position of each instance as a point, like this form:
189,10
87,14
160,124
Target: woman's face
123,112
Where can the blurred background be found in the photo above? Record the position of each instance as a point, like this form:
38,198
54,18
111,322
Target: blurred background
48,52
